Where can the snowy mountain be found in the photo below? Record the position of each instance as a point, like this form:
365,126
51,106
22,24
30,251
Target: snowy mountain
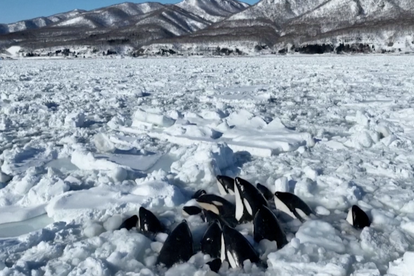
126,24
194,26
213,10
112,16
313,26
38,22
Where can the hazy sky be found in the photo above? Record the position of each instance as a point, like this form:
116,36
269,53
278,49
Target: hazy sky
15,10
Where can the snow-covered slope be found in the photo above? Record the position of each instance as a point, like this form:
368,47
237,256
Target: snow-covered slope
286,25
213,10
277,10
174,20
113,16
38,22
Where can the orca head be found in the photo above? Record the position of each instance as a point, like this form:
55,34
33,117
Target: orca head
225,184
358,218
266,226
178,247
214,265
211,241
265,191
191,210
129,223
216,204
148,222
240,212
292,205
210,217
236,249
251,197
199,193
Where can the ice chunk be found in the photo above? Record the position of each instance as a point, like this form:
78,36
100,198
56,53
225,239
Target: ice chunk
112,223
93,229
282,184
311,173
403,266
4,178
320,233
86,161
75,119
203,162
275,124
103,143
151,118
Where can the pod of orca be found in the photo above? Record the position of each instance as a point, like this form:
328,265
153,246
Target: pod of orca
221,241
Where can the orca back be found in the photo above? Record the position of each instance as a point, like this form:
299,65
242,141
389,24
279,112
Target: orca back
266,226
267,194
148,222
129,223
251,198
236,249
225,184
211,241
178,247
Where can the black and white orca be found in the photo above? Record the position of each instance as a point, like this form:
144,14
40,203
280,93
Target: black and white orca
178,247
214,265
235,249
211,241
129,223
292,205
265,191
199,193
358,218
216,204
210,217
192,211
225,185
148,222
266,226
248,199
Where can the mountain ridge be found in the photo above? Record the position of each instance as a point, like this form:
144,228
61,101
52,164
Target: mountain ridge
203,26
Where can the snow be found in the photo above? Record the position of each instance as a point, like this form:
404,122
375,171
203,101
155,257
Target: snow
14,50
84,144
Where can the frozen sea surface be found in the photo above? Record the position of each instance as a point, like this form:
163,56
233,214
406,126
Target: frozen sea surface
85,143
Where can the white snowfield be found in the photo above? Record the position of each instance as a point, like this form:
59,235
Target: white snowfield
85,143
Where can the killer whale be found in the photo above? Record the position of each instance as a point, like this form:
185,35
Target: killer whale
292,205
178,247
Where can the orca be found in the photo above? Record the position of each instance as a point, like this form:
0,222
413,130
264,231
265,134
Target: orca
265,191
216,204
358,218
199,193
223,220
292,205
178,247
248,200
129,223
225,184
148,222
214,265
192,210
266,226
211,241
235,249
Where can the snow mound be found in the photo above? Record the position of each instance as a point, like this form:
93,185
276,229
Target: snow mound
322,234
151,118
403,266
201,164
